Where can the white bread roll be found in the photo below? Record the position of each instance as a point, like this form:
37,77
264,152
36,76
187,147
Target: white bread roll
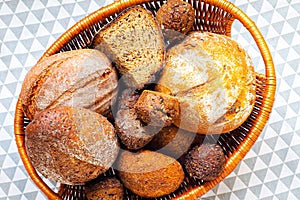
213,78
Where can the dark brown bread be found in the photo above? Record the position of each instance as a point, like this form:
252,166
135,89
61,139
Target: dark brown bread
130,130
71,145
176,18
149,174
79,78
205,162
157,109
107,188
128,99
134,42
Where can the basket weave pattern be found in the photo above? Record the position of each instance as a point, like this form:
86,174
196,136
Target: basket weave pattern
211,15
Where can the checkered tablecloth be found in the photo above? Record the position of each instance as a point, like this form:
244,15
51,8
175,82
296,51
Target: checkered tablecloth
271,169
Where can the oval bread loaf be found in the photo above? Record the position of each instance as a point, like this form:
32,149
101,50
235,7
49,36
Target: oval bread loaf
71,145
83,78
214,80
149,174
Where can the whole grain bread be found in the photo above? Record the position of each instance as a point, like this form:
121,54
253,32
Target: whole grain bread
157,108
214,79
71,145
135,44
83,78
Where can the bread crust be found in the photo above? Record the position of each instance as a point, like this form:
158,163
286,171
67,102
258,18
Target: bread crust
149,174
134,42
213,78
83,78
71,145
157,109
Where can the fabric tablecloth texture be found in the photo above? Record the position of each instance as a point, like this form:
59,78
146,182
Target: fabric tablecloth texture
270,170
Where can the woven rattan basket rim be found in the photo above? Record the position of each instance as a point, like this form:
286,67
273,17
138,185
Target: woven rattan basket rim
258,125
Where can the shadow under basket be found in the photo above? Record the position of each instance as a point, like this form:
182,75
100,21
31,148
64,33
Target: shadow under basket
211,15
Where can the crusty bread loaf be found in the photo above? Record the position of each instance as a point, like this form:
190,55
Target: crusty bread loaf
214,80
82,78
71,145
148,173
157,109
134,42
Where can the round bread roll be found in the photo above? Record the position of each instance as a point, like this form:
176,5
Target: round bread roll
83,78
71,145
213,78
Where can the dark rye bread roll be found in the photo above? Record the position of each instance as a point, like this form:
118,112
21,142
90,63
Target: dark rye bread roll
130,129
83,78
71,145
135,44
214,79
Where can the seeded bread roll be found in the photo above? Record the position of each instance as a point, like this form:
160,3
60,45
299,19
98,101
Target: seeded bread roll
213,78
135,43
205,162
71,145
157,109
176,18
83,78
149,174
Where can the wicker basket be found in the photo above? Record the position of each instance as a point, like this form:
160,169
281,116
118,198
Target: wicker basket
211,15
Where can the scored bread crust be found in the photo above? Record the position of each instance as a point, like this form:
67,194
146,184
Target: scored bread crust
213,78
83,78
134,42
71,145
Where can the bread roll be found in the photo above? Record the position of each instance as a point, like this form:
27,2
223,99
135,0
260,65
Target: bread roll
213,78
149,174
71,145
157,109
83,78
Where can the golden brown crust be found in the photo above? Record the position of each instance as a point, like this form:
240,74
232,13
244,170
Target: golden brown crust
214,80
82,78
71,145
149,174
157,109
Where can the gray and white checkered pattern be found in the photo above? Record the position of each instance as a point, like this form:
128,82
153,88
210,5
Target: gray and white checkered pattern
270,170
